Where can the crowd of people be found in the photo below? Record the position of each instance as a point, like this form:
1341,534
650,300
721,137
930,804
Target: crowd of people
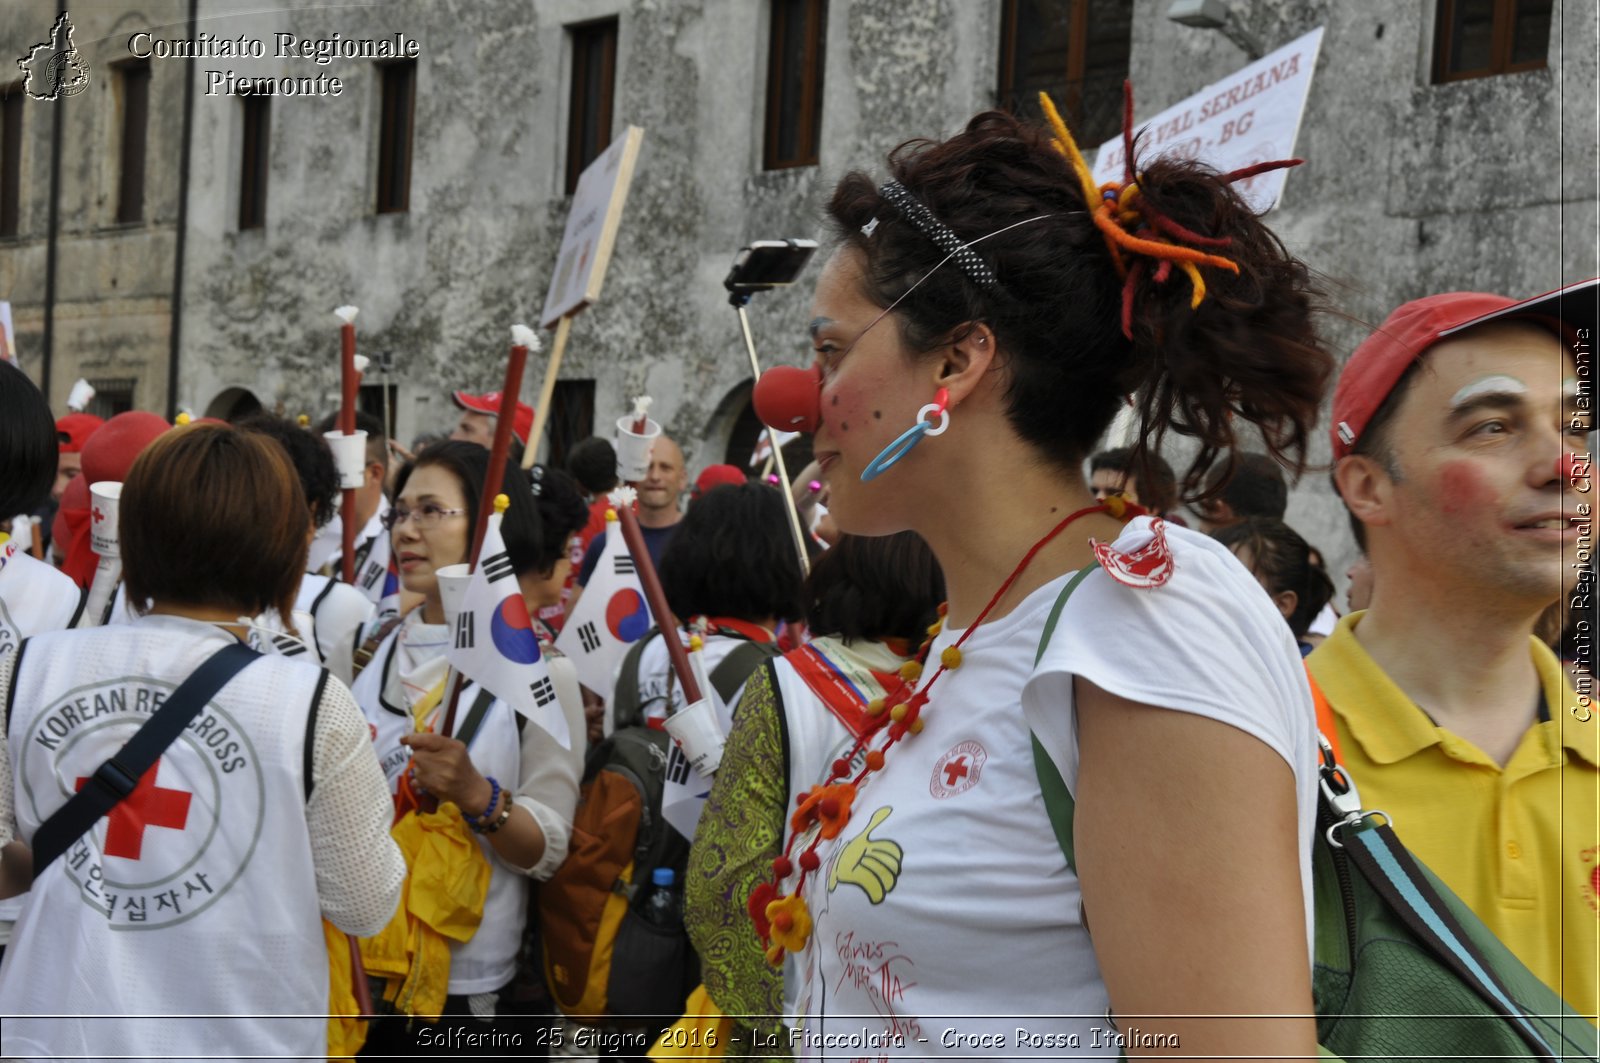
994,610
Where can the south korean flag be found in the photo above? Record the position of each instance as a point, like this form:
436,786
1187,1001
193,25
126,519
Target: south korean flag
373,576
611,614
493,642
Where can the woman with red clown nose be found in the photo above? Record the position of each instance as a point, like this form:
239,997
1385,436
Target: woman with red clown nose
983,314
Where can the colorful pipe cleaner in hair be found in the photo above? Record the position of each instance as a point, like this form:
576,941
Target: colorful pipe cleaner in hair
1132,225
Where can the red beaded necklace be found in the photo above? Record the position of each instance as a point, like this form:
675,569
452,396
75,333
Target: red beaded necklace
783,921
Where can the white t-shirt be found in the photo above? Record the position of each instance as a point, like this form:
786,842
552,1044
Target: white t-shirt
339,614
959,900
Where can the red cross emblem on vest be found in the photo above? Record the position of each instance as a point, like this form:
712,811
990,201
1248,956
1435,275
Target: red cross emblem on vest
148,806
956,770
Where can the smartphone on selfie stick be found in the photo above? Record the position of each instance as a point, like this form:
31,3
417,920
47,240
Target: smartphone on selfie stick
764,265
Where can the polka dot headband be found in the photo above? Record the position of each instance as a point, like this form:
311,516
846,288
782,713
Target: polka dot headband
941,234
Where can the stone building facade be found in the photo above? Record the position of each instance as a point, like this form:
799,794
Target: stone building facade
1410,187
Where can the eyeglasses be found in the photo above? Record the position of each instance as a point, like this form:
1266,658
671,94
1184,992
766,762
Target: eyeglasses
427,515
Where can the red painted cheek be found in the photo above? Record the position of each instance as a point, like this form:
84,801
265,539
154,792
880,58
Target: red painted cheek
1463,490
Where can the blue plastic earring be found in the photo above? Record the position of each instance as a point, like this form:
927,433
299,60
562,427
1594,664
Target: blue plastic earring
902,444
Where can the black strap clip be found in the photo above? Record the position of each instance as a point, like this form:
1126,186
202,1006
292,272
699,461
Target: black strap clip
115,779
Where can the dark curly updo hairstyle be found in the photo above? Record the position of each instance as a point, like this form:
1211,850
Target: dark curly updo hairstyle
1248,352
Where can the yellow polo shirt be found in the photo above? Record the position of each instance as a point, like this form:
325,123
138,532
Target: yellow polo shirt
1519,844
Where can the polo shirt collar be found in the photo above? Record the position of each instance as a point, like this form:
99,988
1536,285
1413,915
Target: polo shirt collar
1349,676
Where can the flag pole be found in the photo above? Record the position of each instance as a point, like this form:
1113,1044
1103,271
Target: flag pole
657,600
522,338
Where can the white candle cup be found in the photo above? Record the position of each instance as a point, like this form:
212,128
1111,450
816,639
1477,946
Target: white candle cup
453,581
633,448
350,456
105,498
79,397
699,735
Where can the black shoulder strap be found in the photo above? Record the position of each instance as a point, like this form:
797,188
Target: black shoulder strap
119,776
729,674
322,596
309,762
77,614
625,698
11,691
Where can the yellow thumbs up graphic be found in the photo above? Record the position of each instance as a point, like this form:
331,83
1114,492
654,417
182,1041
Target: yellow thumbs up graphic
874,865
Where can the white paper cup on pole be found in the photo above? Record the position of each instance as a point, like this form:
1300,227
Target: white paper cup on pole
633,449
105,498
699,735
453,581
349,455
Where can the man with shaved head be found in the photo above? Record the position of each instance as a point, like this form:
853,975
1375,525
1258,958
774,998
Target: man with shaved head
1460,437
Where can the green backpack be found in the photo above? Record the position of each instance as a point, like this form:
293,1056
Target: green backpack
1402,968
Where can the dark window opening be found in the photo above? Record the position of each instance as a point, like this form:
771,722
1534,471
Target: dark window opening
379,401
1481,38
394,136
1077,51
111,396
135,82
594,71
10,159
571,419
794,83
253,164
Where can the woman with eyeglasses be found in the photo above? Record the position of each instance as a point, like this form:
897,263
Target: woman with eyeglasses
985,312
513,785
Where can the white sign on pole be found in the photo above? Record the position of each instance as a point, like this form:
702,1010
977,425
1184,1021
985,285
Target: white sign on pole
8,347
592,229
1250,117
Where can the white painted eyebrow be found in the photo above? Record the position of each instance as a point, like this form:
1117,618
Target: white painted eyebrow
1498,384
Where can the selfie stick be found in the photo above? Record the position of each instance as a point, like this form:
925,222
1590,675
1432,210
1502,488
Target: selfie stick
739,299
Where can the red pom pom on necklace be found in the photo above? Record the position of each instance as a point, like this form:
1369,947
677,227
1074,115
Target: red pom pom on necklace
809,860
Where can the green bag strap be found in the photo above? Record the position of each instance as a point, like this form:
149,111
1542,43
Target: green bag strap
1058,803
729,675
625,698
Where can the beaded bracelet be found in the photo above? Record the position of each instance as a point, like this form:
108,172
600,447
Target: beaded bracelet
500,820
475,822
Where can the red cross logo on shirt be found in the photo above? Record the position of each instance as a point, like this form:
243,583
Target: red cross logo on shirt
955,771
148,806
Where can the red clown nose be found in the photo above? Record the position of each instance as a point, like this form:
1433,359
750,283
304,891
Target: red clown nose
789,399
1574,468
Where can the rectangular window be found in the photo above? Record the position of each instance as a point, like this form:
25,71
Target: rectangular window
394,136
10,158
1077,51
794,83
379,400
111,396
134,79
594,72
253,162
1480,38
571,418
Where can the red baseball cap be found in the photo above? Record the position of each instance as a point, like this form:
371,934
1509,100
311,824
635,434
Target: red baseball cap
489,403
1383,357
716,476
75,429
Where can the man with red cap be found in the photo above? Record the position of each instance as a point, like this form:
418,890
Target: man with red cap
478,413
1459,436
72,432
